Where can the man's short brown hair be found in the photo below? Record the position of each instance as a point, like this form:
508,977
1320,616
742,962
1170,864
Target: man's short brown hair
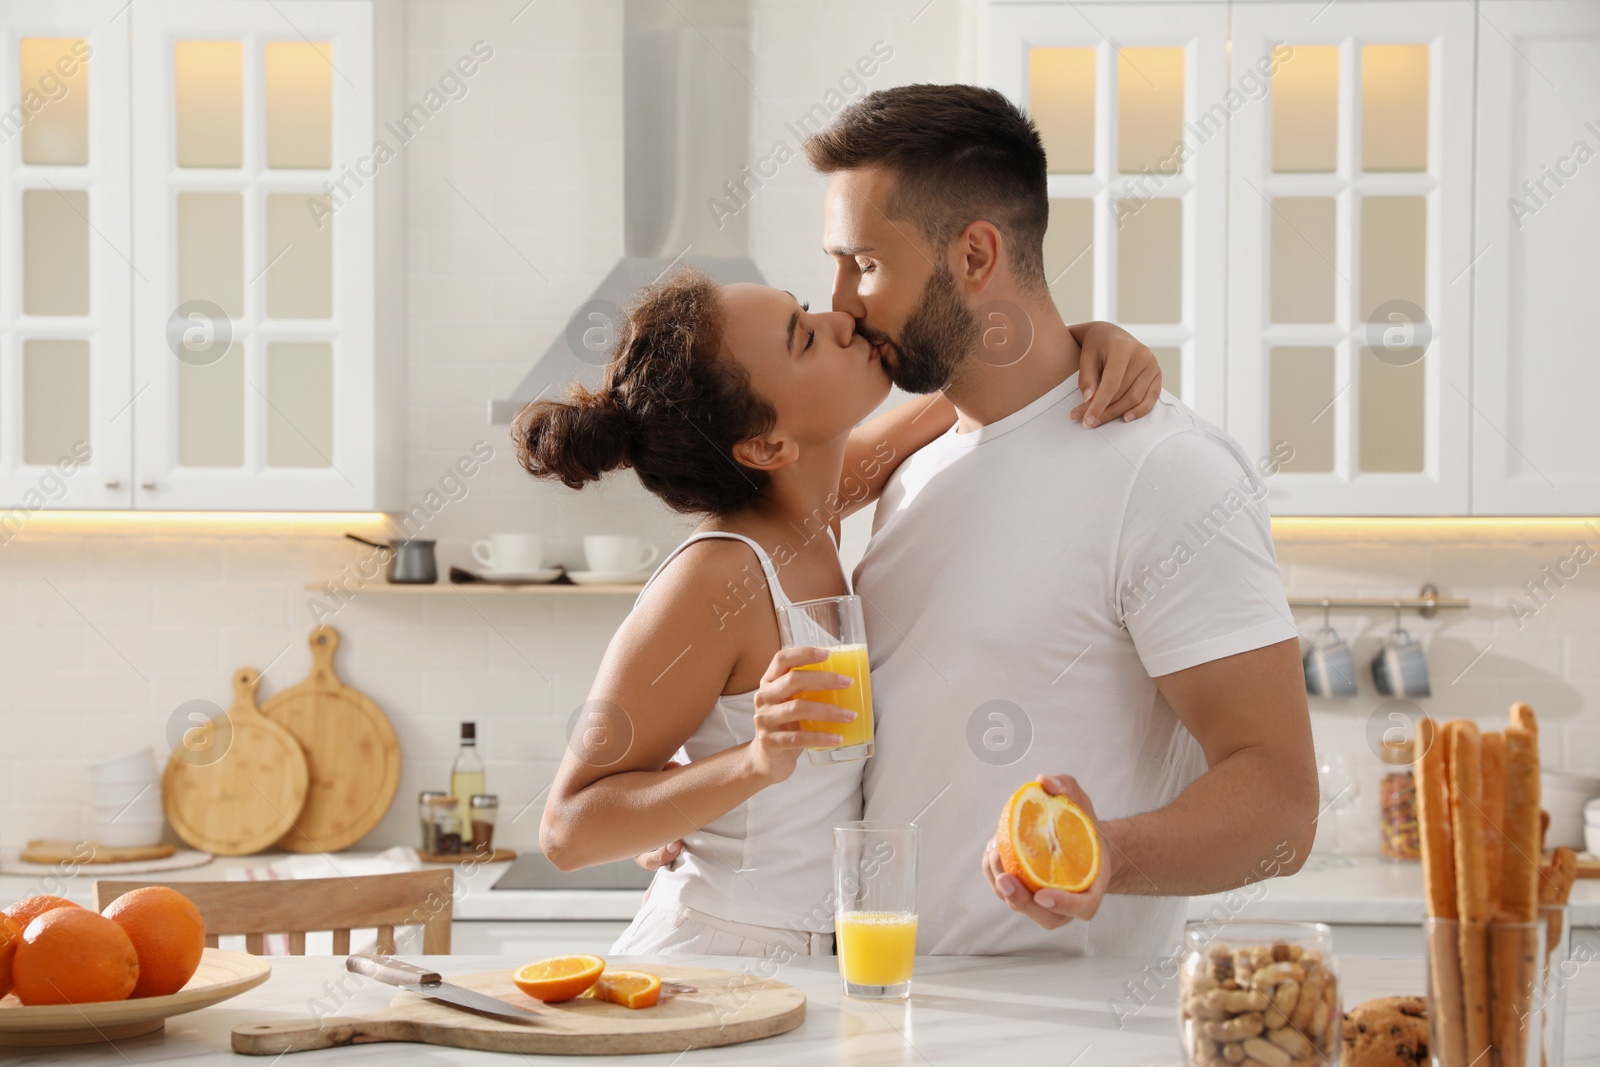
959,154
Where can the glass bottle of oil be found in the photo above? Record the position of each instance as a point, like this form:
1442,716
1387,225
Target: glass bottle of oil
466,779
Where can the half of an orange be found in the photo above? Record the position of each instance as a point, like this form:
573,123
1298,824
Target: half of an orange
559,978
631,989
1047,841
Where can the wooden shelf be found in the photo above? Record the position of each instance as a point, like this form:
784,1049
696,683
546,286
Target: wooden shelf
380,586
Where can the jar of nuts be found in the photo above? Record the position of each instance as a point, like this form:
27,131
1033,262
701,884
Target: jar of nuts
1258,993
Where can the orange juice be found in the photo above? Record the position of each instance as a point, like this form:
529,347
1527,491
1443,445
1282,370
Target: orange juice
876,948
851,661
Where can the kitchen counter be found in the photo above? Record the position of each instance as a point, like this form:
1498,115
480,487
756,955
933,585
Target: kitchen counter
1373,892
965,1010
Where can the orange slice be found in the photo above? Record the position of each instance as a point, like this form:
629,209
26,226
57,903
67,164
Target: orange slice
631,989
558,978
1047,842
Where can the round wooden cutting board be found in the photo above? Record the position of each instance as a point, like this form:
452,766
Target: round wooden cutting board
245,799
726,1008
351,751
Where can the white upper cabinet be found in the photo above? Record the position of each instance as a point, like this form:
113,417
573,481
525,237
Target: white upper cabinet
1121,95
65,251
255,302
1350,214
1535,437
202,254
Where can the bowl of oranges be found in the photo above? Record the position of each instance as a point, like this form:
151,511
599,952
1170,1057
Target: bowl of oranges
69,975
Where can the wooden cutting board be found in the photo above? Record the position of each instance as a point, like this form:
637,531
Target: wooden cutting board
248,797
352,754
727,1008
45,850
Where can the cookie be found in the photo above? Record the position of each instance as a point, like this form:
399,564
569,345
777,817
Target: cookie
1387,1032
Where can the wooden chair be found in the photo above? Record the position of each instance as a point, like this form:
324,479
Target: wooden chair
297,905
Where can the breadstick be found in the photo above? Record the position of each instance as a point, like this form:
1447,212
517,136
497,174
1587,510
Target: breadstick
1439,888
1494,811
1517,954
1472,881
1519,886
1433,816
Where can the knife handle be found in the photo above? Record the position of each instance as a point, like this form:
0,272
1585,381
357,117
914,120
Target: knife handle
390,971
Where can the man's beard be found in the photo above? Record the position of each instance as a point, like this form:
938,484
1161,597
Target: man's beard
935,339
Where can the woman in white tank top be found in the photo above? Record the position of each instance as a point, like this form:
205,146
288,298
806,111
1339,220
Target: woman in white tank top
740,405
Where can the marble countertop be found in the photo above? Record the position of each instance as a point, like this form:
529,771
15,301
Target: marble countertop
963,1010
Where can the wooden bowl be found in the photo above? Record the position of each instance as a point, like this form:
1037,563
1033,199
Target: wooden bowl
220,975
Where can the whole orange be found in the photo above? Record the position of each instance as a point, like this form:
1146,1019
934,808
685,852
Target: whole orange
73,956
13,921
167,932
9,936
28,909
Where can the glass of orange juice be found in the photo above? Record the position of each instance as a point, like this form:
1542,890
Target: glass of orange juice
875,909
836,625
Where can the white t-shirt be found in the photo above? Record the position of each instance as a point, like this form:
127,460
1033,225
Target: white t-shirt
1024,584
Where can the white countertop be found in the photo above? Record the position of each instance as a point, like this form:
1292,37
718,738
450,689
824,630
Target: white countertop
1373,892
963,1010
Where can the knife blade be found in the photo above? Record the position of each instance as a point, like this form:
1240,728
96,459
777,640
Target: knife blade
400,974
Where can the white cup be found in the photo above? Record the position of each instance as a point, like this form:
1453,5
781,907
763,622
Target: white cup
610,554
510,552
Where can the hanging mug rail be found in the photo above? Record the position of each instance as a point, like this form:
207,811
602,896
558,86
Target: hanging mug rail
1426,603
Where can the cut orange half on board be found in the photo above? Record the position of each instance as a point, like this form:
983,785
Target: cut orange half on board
1047,842
559,978
631,989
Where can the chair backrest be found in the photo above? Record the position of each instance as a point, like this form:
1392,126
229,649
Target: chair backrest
295,906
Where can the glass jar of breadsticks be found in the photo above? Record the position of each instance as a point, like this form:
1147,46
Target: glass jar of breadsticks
1258,992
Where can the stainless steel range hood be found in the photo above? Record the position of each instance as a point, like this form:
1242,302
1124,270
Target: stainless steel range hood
685,125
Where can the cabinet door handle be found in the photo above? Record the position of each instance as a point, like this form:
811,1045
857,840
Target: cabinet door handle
147,484
113,483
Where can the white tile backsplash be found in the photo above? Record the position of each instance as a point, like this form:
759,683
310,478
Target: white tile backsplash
139,622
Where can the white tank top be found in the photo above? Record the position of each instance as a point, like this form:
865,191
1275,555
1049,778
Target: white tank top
768,862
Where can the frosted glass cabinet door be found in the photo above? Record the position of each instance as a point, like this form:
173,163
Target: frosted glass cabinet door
1350,219
256,353
65,243
1130,103
1535,437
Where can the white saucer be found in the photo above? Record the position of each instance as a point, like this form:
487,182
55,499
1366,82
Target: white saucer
608,577
548,574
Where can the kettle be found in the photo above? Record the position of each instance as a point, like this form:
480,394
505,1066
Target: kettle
410,562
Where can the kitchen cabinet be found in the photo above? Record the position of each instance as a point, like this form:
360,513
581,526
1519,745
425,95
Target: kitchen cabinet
1350,212
225,259
64,267
1137,205
1535,440
1394,206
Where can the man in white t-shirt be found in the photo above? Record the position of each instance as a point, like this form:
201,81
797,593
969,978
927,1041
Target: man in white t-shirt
1103,608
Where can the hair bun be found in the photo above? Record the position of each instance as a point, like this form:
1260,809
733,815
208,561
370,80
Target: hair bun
576,440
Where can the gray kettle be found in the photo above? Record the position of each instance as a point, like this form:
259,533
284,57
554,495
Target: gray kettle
411,562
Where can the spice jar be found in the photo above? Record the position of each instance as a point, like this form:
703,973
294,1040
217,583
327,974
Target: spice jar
430,833
481,812
446,831
1397,800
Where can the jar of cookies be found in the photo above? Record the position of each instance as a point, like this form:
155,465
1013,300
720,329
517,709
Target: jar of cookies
1258,992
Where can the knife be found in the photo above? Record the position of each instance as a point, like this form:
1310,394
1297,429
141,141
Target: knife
430,984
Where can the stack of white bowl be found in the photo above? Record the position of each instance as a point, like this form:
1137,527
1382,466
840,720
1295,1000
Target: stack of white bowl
127,801
1591,826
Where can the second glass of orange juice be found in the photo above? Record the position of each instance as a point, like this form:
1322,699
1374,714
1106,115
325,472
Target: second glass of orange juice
875,907
835,624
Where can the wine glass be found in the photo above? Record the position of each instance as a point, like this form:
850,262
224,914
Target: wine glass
1336,782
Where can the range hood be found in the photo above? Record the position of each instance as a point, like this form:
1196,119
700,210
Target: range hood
685,137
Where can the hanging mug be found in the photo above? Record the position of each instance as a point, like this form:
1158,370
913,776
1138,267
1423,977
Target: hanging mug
1400,669
1330,669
